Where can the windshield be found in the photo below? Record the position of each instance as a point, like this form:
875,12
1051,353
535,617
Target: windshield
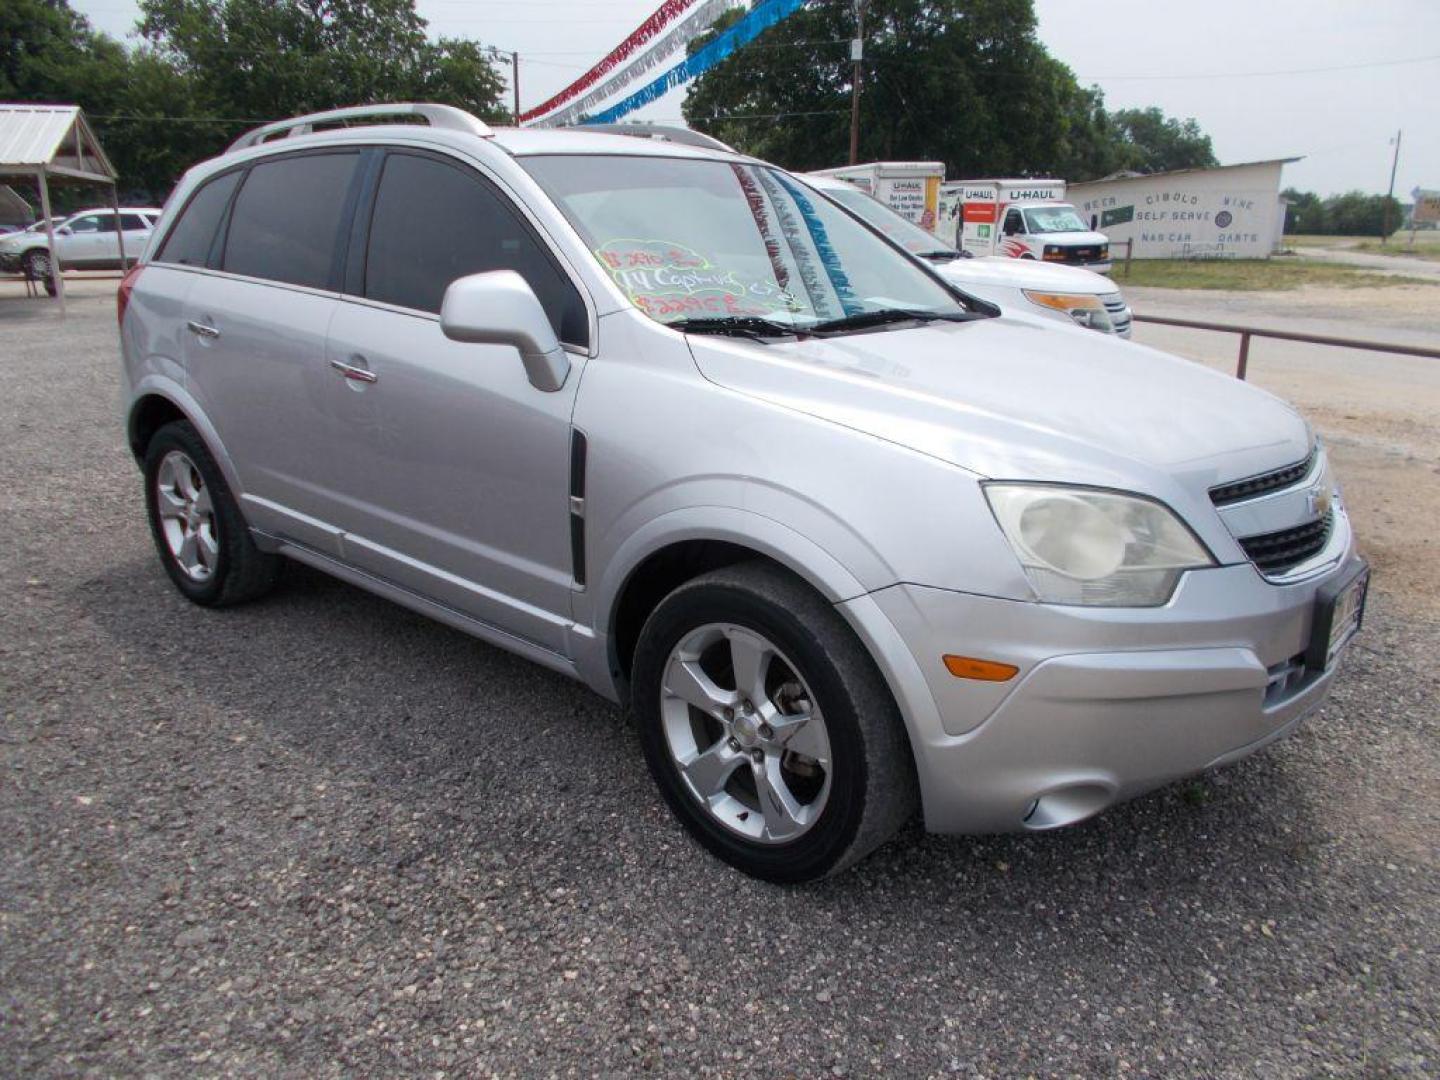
910,236
691,239
1048,219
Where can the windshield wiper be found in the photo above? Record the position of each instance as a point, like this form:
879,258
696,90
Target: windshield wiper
752,326
884,316
939,255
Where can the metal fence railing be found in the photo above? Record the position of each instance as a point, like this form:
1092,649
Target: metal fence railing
1247,332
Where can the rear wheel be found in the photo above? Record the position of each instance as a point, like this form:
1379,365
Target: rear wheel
203,542
767,726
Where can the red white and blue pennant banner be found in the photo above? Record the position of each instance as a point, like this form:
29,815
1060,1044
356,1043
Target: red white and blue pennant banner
646,32
760,18
699,19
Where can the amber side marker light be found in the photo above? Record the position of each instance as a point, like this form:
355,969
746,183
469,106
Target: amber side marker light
967,667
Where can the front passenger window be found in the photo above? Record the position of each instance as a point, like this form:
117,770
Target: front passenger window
435,222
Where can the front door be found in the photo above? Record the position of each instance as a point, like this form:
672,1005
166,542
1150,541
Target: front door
87,242
453,470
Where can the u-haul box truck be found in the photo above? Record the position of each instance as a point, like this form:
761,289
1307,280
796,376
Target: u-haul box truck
910,188
1024,219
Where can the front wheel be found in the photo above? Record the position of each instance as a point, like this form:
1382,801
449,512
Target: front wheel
36,265
767,726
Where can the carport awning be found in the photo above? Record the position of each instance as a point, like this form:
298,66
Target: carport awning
53,139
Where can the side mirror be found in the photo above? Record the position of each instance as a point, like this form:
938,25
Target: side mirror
65,230
500,308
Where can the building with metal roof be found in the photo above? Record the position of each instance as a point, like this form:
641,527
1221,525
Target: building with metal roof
53,143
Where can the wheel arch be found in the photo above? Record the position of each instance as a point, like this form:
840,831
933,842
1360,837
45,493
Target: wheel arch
682,545
157,401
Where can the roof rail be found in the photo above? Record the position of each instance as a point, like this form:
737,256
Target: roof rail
437,116
662,132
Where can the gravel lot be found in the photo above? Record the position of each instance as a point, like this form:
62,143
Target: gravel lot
321,836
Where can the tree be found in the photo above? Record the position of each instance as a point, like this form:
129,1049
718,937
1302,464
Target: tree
1306,215
966,82
1351,214
254,60
1154,142
209,69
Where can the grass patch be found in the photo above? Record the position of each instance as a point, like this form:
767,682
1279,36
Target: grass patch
1250,275
1427,247
1427,244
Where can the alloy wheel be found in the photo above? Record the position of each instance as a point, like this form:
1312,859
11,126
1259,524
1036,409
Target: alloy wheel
187,516
745,733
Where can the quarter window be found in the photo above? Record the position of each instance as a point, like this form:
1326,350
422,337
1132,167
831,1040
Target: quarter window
287,218
190,240
435,222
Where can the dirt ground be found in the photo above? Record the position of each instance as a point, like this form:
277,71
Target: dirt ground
323,836
1379,413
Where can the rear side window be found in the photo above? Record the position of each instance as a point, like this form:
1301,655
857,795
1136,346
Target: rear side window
435,222
190,240
131,222
287,217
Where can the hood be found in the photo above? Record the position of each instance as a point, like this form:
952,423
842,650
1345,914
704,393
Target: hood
1071,239
1024,399
1024,274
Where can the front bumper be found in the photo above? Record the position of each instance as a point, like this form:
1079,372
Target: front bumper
1108,703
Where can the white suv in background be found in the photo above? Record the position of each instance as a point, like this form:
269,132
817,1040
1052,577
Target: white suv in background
88,240
1018,286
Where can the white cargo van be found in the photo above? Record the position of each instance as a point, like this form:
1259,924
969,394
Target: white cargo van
1023,219
910,188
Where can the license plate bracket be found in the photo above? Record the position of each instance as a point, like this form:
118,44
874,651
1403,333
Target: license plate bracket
1339,611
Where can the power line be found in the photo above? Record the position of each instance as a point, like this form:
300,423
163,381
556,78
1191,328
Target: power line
1267,74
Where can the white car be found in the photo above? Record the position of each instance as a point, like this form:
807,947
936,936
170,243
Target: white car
1017,286
88,240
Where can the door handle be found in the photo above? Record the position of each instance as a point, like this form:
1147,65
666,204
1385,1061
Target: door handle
201,330
359,374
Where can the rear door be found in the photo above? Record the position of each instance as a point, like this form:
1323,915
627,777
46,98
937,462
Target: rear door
257,321
454,470
135,231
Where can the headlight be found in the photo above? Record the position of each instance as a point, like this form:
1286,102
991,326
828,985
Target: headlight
1096,548
1084,308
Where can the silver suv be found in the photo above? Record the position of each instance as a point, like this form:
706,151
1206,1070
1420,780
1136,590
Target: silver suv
849,543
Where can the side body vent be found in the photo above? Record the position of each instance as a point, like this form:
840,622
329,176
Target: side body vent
579,446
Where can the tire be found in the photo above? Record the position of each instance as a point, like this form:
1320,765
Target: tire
203,541
850,779
36,265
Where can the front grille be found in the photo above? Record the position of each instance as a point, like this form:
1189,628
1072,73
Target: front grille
1277,552
1255,486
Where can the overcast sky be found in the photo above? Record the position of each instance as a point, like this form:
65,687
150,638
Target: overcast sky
1245,69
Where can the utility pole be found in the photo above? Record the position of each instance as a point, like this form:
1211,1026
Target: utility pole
857,54
514,58
1390,195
